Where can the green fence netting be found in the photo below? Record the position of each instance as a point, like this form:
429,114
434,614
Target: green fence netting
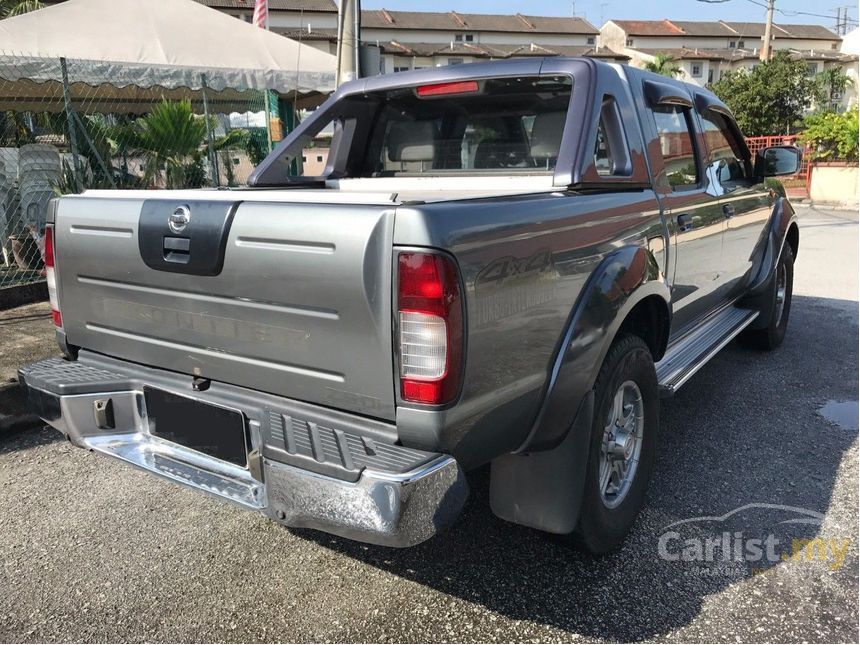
61,134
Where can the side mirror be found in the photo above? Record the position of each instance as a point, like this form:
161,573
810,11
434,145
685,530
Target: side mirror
778,160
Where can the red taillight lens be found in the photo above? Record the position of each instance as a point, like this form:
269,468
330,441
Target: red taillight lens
49,246
51,276
442,89
430,319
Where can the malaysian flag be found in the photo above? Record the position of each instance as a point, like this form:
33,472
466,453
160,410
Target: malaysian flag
261,13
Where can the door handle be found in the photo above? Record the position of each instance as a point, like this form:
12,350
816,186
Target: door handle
728,211
685,222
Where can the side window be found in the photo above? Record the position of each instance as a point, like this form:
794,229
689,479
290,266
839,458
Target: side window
725,159
676,144
602,153
611,152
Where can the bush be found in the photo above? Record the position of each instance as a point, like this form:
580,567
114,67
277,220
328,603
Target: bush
775,185
832,136
771,98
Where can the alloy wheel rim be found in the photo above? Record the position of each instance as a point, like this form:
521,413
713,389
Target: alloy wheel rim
622,444
781,283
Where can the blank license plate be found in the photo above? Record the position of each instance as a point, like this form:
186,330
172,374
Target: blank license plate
210,429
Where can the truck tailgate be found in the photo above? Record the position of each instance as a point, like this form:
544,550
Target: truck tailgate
300,305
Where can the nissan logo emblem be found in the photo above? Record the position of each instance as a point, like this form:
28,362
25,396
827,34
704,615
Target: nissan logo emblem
178,221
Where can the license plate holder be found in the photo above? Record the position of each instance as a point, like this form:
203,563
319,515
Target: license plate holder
211,429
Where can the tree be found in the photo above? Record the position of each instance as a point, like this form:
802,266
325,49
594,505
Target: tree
832,136
834,79
172,139
10,8
663,64
772,97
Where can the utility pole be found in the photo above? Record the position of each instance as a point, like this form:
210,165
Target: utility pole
348,36
768,27
842,20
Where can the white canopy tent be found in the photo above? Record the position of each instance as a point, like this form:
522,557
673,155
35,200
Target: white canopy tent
138,51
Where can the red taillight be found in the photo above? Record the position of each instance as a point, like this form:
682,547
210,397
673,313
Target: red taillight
441,89
51,276
49,246
430,322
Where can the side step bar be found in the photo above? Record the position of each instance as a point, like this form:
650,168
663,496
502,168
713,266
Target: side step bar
688,354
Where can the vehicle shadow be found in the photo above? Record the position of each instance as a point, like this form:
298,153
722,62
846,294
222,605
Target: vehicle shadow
744,430
12,401
16,421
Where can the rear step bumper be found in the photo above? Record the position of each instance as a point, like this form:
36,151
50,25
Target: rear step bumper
307,466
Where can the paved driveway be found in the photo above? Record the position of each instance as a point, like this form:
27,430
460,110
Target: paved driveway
93,550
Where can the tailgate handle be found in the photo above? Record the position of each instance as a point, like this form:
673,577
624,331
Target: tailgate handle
177,249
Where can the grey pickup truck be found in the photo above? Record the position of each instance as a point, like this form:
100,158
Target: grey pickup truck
507,263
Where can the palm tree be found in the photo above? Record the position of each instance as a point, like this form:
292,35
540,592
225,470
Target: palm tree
833,79
663,64
172,139
16,7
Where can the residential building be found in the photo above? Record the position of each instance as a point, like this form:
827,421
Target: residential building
313,22
416,39
851,47
706,50
717,35
314,160
412,40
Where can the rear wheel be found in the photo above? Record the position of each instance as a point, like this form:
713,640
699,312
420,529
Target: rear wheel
621,453
771,337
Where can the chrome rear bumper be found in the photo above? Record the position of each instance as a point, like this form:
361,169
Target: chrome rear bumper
397,509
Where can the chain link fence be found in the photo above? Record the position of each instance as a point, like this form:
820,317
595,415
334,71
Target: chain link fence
65,129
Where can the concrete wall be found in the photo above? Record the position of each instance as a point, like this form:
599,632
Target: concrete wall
835,184
851,45
292,20
322,45
675,42
800,45
485,37
638,59
704,68
612,36
391,63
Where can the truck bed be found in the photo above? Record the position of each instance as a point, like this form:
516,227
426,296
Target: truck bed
375,191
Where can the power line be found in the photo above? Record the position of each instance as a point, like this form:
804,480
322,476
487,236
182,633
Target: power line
794,13
784,12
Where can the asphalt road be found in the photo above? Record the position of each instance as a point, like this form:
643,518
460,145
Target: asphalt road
91,550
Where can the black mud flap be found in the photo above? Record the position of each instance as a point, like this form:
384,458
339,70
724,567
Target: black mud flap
544,490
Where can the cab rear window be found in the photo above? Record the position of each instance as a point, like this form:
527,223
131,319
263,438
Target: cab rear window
495,125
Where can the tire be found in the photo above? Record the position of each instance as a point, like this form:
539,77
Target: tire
770,337
605,519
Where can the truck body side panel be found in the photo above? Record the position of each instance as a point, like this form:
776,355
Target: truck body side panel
524,262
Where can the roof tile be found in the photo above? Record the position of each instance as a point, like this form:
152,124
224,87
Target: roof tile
274,5
479,50
456,21
722,28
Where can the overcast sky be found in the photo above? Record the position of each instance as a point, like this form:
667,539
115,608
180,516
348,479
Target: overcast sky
595,11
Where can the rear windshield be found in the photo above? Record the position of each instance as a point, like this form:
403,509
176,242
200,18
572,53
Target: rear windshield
508,125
